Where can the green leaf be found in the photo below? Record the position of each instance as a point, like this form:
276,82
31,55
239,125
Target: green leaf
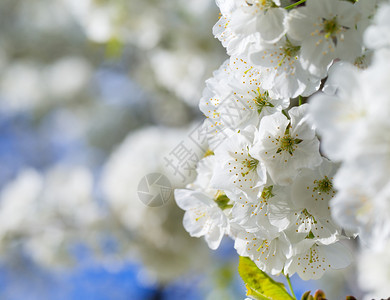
259,285
224,276
114,48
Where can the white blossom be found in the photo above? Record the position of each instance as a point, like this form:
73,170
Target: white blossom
364,212
311,259
253,213
204,205
310,193
353,123
234,98
326,30
203,217
268,250
268,186
374,276
339,117
146,233
236,170
286,145
304,210
249,22
44,214
378,34
282,71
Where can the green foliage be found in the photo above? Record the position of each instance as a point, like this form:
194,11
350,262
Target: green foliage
224,276
259,285
114,48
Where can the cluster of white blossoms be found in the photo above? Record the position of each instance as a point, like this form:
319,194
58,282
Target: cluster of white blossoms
264,181
352,117
38,216
144,233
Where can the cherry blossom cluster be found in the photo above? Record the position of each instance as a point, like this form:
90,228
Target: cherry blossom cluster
352,116
264,181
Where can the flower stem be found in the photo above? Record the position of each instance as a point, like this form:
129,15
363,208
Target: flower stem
284,112
294,4
290,286
300,101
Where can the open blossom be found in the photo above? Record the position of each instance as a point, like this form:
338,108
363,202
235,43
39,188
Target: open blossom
365,213
234,98
313,188
205,170
326,30
269,186
302,208
236,171
252,213
267,249
249,22
339,117
250,93
353,123
204,206
282,71
286,145
203,217
214,94
311,259
310,193
307,213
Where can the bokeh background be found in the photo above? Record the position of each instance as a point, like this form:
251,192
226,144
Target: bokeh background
94,95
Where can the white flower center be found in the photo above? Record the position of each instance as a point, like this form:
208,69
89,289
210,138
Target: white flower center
287,142
323,186
289,51
261,4
250,163
330,27
261,101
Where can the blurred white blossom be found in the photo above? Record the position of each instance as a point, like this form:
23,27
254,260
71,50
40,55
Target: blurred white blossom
156,235
38,212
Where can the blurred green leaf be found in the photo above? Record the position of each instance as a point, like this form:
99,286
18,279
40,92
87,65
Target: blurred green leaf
224,276
114,48
259,285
